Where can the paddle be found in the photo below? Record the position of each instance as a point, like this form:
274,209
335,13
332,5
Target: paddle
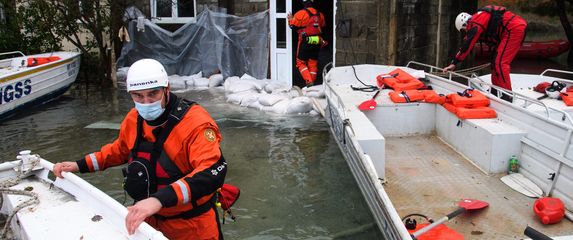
370,104
521,184
464,205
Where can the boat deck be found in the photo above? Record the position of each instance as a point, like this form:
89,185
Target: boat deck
427,176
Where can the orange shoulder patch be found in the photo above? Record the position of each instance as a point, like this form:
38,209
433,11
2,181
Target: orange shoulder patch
209,135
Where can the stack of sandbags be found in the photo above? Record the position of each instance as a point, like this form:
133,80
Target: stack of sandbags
268,96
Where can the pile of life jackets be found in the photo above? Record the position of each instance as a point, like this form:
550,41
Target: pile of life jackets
37,61
470,104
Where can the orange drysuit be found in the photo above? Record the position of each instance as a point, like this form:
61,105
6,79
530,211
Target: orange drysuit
193,147
308,22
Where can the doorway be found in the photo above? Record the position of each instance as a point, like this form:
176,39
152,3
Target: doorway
326,53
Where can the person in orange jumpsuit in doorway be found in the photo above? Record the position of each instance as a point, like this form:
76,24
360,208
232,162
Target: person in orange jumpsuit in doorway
308,23
499,28
174,163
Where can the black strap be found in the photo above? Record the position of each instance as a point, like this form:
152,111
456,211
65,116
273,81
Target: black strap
406,96
176,114
196,211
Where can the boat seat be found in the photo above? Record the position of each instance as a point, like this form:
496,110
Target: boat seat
489,143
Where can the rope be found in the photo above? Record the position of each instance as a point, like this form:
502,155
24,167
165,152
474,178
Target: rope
465,72
5,189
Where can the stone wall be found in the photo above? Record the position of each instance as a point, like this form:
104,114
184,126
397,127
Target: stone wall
395,31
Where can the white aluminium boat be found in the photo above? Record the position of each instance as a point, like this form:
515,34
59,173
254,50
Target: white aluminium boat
68,208
419,158
33,79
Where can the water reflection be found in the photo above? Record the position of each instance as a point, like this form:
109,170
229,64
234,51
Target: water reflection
295,183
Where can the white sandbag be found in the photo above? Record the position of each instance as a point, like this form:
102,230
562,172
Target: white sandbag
229,81
216,80
201,82
314,94
299,105
237,98
279,107
121,73
256,105
259,84
313,113
190,82
176,82
271,99
249,99
241,86
272,85
247,77
316,91
314,88
196,75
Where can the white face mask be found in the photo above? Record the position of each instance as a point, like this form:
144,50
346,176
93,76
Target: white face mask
149,111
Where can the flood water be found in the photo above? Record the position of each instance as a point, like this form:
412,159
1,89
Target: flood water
294,181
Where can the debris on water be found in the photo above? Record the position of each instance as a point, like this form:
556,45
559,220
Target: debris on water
97,218
29,188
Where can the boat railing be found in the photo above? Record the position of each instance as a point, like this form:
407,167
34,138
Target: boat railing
13,52
549,71
476,82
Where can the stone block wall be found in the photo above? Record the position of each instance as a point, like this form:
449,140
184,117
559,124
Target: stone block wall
395,32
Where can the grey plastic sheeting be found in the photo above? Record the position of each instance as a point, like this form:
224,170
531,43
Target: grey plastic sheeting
215,42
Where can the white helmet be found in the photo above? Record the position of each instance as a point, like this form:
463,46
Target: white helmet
462,20
146,74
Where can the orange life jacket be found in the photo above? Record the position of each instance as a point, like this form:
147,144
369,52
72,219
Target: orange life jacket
567,98
312,27
470,113
37,61
402,81
429,96
469,98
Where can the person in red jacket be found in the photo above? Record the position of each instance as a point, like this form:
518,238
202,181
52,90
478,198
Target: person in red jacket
497,27
174,163
308,23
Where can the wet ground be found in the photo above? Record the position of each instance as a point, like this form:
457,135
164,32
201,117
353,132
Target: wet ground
295,183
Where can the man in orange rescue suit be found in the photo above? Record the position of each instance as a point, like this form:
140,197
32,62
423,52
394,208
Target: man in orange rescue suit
499,28
308,23
174,166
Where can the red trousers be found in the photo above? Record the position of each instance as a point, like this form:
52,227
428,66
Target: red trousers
509,44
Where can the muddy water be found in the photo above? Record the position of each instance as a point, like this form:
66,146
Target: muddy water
295,183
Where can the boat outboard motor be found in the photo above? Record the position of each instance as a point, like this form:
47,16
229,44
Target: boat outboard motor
554,90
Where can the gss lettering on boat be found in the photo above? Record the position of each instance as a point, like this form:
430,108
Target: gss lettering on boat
14,91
